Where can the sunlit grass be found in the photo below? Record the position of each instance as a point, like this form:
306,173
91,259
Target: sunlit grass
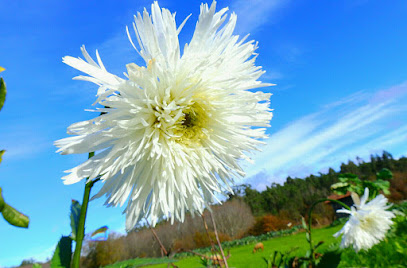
242,256
139,262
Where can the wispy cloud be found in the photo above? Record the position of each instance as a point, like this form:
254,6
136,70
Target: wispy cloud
353,98
23,140
357,125
252,15
290,52
272,75
256,15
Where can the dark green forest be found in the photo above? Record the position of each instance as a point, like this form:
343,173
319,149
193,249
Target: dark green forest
293,198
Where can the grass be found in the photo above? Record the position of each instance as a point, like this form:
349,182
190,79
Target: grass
139,262
242,256
391,252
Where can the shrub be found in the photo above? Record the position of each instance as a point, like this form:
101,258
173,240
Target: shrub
202,239
102,253
398,187
274,223
268,223
233,219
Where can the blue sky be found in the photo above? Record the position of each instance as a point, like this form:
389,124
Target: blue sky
340,69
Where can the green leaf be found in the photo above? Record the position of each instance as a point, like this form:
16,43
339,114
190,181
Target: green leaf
2,203
348,182
267,261
383,185
37,265
1,154
330,259
342,179
384,174
307,236
75,212
11,215
101,230
62,254
339,185
14,217
3,92
319,244
304,224
305,264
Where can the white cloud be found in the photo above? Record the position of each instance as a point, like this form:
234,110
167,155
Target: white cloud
357,125
254,14
353,98
290,52
272,76
23,140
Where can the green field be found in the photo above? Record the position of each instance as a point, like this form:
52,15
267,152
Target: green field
140,262
242,256
391,252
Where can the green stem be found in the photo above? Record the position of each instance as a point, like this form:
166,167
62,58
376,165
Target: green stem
81,223
310,223
2,203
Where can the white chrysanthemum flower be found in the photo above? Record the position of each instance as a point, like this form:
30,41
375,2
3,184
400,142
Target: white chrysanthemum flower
368,223
171,135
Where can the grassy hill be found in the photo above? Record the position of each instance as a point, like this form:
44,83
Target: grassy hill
242,256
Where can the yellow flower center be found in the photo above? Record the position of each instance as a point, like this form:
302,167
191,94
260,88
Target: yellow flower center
186,122
192,126
367,222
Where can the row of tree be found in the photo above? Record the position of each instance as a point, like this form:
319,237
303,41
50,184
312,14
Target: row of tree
295,196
